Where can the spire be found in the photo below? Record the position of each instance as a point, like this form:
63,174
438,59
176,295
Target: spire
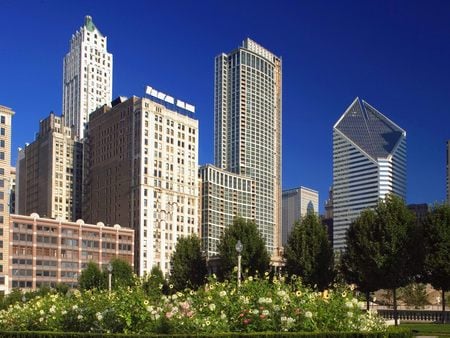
89,24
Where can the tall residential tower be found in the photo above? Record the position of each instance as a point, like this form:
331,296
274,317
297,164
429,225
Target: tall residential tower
369,161
87,76
247,112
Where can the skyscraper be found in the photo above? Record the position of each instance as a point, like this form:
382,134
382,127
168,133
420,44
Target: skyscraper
296,204
369,161
49,172
87,76
142,172
448,171
6,115
247,112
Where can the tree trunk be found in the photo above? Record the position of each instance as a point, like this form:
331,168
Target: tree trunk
443,306
394,295
368,300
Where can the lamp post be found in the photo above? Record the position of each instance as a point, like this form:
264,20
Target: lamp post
110,268
239,248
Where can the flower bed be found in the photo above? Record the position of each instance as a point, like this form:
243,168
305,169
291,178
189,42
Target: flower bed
259,305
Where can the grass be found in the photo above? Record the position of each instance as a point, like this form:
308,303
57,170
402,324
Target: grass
426,329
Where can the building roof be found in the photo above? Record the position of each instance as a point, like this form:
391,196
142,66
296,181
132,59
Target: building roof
370,130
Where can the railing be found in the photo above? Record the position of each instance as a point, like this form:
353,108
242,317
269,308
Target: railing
416,315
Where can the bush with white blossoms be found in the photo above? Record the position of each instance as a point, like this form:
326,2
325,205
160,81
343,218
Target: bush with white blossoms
260,304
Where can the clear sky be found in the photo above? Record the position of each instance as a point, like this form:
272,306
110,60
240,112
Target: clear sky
393,54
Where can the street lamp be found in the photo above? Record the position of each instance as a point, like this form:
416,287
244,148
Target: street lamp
110,268
239,248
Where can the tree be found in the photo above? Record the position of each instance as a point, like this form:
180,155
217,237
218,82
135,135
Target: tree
254,254
188,264
91,277
309,254
437,250
388,244
121,274
414,294
154,284
359,251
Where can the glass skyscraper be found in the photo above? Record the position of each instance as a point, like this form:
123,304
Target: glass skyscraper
369,161
248,128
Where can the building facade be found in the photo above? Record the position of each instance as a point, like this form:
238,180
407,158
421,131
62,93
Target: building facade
448,171
369,161
87,76
50,172
247,113
142,172
6,115
296,203
46,251
224,196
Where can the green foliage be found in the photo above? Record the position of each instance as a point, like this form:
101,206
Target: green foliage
255,258
414,294
382,247
259,305
122,273
437,247
188,264
91,277
309,254
154,284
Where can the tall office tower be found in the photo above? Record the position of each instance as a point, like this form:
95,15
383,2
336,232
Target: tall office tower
369,161
247,112
5,170
224,196
49,178
12,191
448,171
296,203
142,173
87,78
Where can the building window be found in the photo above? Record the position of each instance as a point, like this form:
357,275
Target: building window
2,119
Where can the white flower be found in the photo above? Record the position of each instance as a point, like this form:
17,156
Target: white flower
308,314
265,312
349,304
75,307
255,311
41,312
212,306
41,319
80,317
99,316
63,312
350,314
222,293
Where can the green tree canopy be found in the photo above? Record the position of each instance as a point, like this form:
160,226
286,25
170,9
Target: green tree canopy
188,264
437,249
309,254
254,254
122,273
382,247
154,284
91,277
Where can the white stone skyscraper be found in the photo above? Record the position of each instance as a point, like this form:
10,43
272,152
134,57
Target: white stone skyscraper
87,76
247,113
369,161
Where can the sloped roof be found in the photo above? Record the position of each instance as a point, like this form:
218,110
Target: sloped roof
370,130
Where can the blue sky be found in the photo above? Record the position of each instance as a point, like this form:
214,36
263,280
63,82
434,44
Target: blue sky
393,54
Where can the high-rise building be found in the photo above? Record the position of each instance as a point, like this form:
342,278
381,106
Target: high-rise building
448,171
247,112
49,178
296,203
142,172
224,196
369,161
6,115
87,76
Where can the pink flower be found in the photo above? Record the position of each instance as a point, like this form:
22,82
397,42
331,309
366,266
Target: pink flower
169,315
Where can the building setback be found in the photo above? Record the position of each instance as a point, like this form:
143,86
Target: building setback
224,196
6,115
87,76
296,203
142,172
369,161
46,251
49,179
247,113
